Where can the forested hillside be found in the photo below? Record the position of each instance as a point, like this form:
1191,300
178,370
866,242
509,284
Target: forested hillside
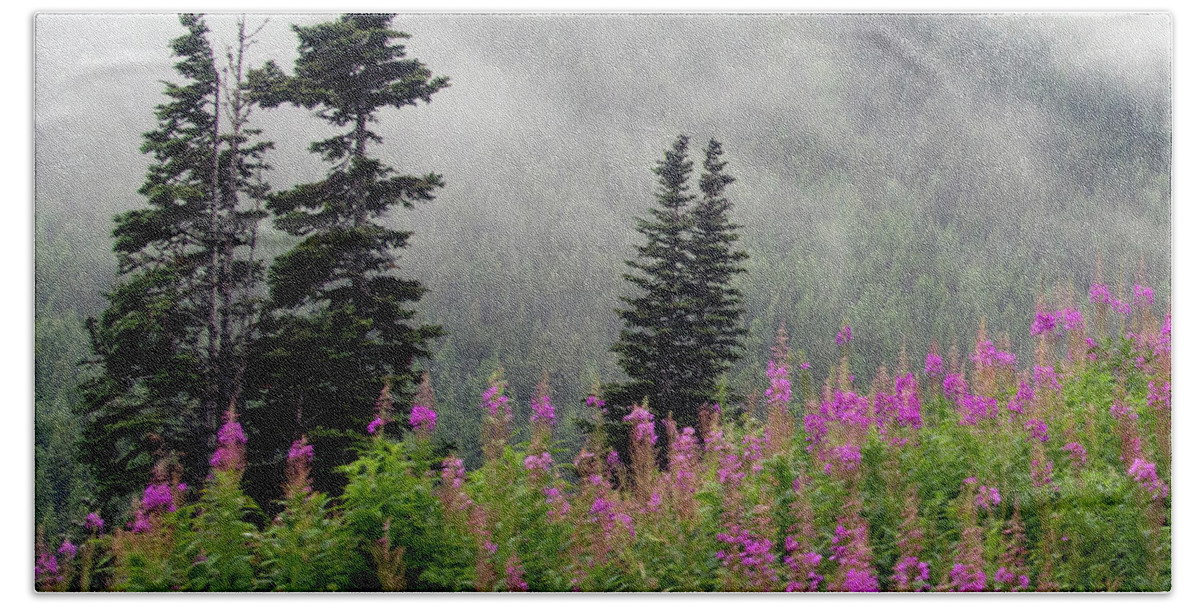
903,175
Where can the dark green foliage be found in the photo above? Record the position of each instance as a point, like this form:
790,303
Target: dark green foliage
306,548
168,349
222,544
682,330
340,321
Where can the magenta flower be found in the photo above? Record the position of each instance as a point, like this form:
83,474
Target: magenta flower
1146,473
954,386
805,365
422,418
1021,399
231,434
539,462
643,421
933,365
780,390
494,402
46,566
1121,307
93,523
1078,453
541,410
596,402
375,425
962,578
1043,323
1037,430
843,336
1069,318
67,549
1143,297
158,496
987,497
910,573
300,451
1099,294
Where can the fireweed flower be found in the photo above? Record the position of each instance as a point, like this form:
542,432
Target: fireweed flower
158,497
1099,294
1043,323
422,418
780,390
752,451
987,355
954,386
749,557
1146,473
596,402
974,408
911,573
1023,398
1143,297
495,403
375,425
93,523
231,443
805,365
1159,398
301,451
987,497
933,365
843,336
1037,430
643,429
1045,376
67,549
1040,472
541,410
540,462
851,551
1069,319
46,566
1121,307
514,575
963,578
1077,454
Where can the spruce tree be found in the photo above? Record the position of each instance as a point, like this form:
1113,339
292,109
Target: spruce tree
654,346
714,262
340,321
683,329
169,348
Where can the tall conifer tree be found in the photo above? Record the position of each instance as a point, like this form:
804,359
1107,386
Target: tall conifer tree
714,262
169,348
683,329
340,319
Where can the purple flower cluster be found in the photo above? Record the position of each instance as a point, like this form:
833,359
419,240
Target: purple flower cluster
1044,376
67,549
46,567
849,457
596,402
231,434
1159,398
541,410
422,418
972,409
1069,319
964,578
514,575
93,523
781,387
987,497
933,365
158,497
375,425
1146,473
843,336
1007,577
301,451
539,462
557,501
752,451
851,552
954,386
1077,453
643,421
987,355
750,557
231,441
1143,297
1099,294
803,567
911,573
1037,430
1022,399
1119,410
496,403
1043,323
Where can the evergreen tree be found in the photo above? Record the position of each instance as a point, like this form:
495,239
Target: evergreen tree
170,346
340,321
714,262
683,330
654,346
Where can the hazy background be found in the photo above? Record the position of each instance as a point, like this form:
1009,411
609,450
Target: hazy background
905,174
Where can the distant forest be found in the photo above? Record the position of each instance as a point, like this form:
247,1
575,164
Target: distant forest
908,176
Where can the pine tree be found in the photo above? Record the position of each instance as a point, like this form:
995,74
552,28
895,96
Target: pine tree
169,348
340,321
